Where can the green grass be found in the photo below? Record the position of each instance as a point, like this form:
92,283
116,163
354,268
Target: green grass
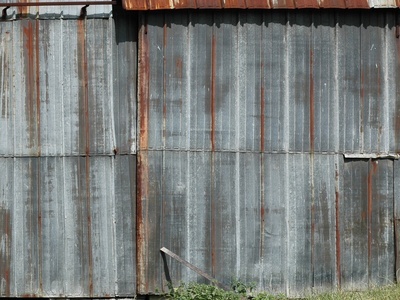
391,292
240,291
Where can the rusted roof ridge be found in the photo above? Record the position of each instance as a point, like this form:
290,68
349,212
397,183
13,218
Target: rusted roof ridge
255,4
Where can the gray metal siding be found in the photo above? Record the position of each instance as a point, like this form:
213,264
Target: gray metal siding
244,119
71,95
272,82
67,145
69,228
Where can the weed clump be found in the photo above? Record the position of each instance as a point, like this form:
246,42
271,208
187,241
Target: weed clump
197,291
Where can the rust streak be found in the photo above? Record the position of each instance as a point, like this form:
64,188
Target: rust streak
371,172
89,224
312,163
5,236
312,134
262,108
30,80
213,75
141,225
83,81
142,284
212,136
143,82
38,87
337,225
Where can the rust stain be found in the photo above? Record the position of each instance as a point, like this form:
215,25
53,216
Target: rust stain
244,4
159,4
30,296
332,4
5,257
307,4
237,3
337,226
262,108
23,10
259,4
185,4
209,3
142,179
143,82
142,183
312,133
212,137
312,137
213,75
37,57
372,171
357,4
31,79
84,139
89,224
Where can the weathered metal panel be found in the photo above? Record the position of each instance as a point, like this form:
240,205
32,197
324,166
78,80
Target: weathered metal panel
257,109
124,79
272,82
367,239
354,226
324,104
268,218
69,226
66,87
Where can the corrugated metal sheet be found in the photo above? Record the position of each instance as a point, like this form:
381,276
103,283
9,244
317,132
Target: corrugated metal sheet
255,4
67,87
244,118
56,11
68,120
69,226
272,82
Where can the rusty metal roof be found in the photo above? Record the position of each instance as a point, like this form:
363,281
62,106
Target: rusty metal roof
256,4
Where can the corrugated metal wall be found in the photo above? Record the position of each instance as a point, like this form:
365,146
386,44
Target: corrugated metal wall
68,163
243,121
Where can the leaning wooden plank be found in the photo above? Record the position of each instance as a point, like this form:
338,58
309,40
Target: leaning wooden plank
192,267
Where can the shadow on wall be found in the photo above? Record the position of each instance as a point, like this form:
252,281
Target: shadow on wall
303,17
126,25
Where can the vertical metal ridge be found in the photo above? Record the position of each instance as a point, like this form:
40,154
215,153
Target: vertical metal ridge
373,166
337,227
212,137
